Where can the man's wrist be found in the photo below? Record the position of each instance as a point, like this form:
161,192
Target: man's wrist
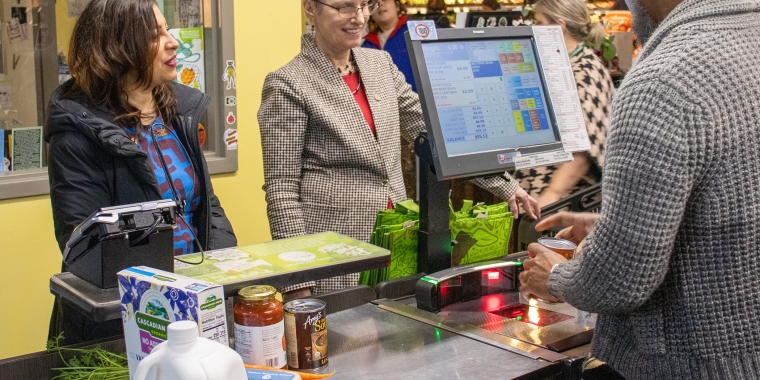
548,287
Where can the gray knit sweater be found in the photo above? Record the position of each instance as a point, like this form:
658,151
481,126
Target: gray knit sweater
673,265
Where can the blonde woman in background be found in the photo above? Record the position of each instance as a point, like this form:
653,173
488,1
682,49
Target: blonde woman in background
595,88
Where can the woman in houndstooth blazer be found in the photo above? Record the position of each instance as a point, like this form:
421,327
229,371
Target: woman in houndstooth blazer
330,122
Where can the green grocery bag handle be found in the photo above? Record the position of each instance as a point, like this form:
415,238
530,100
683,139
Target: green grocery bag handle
406,206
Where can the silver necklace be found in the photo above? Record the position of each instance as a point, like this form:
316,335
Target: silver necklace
357,88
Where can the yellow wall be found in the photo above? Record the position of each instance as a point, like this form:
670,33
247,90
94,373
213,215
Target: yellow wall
267,37
64,26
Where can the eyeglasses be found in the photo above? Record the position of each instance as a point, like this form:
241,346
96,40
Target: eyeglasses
349,12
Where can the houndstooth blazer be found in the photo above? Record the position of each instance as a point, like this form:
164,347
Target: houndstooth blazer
324,170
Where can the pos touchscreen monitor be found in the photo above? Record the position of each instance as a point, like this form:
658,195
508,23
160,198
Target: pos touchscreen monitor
484,99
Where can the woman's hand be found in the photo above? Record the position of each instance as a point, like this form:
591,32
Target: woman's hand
579,225
529,203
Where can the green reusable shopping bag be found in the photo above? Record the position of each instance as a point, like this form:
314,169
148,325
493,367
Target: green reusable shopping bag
395,230
403,247
481,232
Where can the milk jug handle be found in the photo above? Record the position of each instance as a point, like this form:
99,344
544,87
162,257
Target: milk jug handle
145,365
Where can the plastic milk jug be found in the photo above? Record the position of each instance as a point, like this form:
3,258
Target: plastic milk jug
185,356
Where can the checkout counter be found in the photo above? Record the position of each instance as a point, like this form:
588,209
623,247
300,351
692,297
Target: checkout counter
372,338
383,333
480,88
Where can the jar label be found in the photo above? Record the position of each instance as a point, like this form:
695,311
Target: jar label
264,345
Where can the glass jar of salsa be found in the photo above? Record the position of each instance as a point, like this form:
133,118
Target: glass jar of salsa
259,327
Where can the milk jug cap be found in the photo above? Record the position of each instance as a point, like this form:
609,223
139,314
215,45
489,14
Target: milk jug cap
182,332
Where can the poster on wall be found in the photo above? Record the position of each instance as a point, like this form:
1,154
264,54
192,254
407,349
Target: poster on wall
18,28
189,13
190,65
27,148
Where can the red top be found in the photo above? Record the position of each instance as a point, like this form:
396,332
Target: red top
352,81
372,36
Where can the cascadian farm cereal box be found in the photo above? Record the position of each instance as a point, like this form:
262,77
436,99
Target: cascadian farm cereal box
151,299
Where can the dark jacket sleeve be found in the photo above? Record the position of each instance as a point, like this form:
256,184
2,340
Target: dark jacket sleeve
77,182
222,235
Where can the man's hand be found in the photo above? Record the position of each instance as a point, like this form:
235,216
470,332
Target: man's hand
528,202
534,279
579,225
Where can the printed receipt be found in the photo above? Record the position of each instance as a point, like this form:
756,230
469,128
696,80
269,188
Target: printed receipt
562,88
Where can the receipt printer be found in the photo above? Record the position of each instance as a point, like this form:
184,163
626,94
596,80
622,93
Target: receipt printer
114,238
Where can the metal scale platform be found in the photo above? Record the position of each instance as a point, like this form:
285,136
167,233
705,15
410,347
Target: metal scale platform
481,301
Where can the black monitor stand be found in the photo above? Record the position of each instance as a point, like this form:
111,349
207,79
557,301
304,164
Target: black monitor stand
434,236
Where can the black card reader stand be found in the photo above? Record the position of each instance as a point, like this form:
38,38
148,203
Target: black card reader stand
434,236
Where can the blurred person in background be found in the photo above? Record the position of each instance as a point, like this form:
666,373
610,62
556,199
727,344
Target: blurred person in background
595,89
386,32
436,11
491,5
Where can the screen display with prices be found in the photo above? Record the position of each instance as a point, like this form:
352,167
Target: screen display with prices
488,94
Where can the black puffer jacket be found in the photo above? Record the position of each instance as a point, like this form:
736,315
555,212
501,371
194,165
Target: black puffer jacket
94,164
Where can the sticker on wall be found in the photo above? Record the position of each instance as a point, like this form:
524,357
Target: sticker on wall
229,75
230,139
230,101
231,118
190,67
201,134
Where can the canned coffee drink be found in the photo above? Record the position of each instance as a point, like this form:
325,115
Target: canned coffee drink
306,335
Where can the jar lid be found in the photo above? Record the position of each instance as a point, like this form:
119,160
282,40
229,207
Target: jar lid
257,292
